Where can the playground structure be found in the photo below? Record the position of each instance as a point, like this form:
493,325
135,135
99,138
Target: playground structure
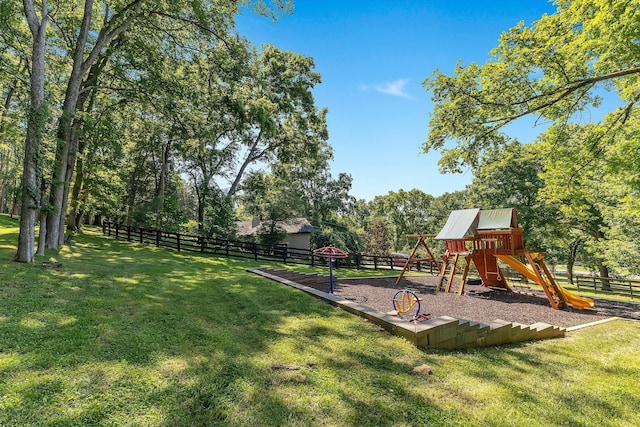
485,237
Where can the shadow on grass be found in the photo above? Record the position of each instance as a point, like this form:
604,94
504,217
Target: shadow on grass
176,335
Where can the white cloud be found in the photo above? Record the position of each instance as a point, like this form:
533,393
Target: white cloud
395,88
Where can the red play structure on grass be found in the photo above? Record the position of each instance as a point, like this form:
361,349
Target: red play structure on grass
485,237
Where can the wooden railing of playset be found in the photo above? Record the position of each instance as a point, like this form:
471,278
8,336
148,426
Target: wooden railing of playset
457,246
504,242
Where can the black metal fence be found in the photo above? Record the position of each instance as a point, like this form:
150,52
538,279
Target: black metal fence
249,250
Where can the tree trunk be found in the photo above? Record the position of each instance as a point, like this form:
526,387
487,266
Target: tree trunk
14,200
43,219
200,213
79,144
78,184
65,134
604,276
56,199
573,251
162,185
35,125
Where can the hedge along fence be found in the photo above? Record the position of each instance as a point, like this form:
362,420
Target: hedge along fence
248,250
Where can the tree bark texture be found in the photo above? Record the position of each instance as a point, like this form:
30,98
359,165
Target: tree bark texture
30,197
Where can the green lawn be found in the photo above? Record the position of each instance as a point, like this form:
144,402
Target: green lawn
124,334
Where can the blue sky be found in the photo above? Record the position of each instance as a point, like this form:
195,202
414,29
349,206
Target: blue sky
373,57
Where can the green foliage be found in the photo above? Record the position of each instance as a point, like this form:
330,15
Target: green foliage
407,212
336,235
377,238
550,69
270,233
509,178
220,218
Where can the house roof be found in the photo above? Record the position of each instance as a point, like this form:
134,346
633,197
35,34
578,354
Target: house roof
290,226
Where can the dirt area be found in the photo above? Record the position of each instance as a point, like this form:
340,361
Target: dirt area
527,305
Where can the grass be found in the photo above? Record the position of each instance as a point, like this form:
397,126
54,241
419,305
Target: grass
124,334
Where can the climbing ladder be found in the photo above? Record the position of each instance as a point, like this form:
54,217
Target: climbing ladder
456,250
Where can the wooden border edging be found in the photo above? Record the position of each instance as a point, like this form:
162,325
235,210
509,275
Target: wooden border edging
442,332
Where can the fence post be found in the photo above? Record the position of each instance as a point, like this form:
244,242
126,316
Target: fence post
128,233
158,238
141,234
254,247
117,231
178,241
375,262
227,247
313,260
357,261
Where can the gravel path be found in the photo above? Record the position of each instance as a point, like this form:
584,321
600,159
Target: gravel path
526,305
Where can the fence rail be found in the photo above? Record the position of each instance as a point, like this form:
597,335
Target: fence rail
630,287
609,286
248,250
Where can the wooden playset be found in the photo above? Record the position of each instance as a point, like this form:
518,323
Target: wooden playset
485,237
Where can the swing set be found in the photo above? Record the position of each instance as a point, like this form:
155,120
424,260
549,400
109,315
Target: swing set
485,237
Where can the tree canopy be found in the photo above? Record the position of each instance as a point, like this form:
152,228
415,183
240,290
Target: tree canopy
549,70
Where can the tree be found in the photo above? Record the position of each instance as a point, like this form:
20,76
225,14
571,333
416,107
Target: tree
377,238
509,178
300,185
552,70
14,80
280,118
35,125
575,180
407,212
622,250
273,200
90,34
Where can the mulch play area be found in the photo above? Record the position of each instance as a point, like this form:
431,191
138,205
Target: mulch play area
527,305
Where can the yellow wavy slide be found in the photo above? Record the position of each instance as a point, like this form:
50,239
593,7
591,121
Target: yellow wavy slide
578,302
